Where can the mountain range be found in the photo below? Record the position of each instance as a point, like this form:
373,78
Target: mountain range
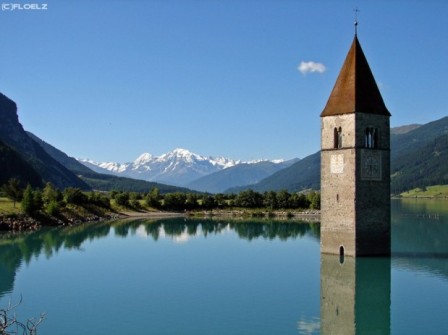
178,167
419,154
182,167
29,159
102,182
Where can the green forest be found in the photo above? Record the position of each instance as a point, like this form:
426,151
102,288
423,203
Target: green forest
50,204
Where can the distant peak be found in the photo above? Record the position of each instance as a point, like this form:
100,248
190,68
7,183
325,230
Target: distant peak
181,152
143,158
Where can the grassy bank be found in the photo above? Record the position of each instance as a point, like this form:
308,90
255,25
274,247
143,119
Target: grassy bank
14,219
7,207
436,191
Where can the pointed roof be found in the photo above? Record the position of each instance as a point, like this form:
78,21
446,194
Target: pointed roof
355,90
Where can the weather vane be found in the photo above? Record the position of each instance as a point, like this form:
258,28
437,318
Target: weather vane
356,10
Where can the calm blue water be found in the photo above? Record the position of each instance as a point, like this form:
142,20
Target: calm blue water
181,276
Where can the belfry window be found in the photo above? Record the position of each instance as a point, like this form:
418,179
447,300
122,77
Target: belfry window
371,138
337,138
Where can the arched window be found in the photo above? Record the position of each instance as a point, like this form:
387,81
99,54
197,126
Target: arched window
375,139
337,138
371,138
367,138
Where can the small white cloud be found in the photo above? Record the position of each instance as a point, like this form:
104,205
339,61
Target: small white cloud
310,327
307,67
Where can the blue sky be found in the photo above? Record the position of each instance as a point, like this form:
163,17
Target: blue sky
109,80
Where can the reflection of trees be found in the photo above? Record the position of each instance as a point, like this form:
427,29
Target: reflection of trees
7,276
121,230
16,249
245,229
271,230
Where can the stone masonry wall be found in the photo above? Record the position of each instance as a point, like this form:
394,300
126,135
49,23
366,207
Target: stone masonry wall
355,210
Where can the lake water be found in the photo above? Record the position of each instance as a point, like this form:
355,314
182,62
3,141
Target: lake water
177,276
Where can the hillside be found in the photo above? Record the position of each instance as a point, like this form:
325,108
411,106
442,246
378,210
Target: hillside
102,182
407,143
418,159
424,166
302,175
25,156
12,165
13,135
69,162
404,129
241,174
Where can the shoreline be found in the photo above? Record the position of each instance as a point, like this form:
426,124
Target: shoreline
23,223
422,197
307,215
145,214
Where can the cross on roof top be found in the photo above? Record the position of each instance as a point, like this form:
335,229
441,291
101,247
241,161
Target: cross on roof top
356,10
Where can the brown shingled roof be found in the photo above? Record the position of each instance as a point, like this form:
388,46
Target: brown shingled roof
355,90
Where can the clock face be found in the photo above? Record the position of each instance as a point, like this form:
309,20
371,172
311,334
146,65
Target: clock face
337,164
371,165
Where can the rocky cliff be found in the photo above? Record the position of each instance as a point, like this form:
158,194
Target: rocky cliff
14,136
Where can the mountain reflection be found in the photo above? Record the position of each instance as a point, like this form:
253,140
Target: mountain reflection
16,249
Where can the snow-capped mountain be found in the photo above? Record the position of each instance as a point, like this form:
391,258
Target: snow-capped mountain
178,167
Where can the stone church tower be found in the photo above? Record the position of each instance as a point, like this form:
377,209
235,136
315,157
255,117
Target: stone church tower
355,163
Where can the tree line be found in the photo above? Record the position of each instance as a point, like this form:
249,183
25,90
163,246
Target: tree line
188,201
52,200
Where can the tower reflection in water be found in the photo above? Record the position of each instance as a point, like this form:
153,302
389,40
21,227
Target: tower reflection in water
355,295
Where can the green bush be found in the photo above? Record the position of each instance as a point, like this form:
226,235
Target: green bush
135,203
122,199
31,201
50,193
53,208
99,199
74,196
152,199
